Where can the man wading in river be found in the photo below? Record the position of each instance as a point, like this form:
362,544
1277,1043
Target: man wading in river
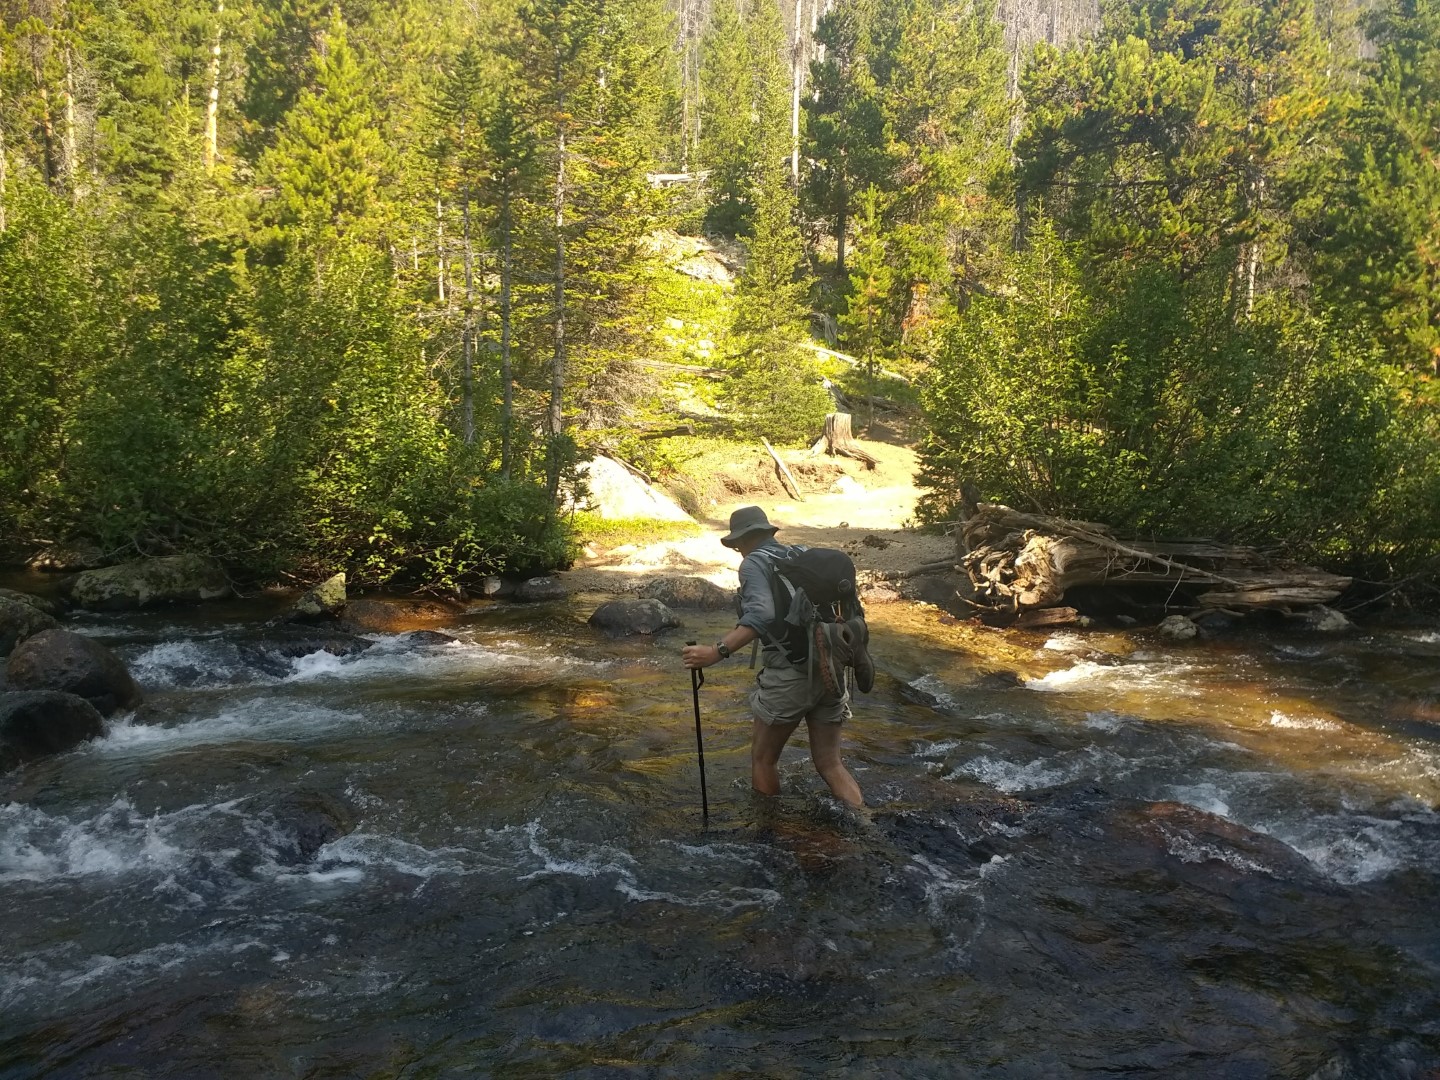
785,693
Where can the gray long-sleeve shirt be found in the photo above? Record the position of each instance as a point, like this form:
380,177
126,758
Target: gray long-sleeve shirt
756,600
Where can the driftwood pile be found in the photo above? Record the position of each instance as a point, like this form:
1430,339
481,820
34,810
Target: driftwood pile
1020,567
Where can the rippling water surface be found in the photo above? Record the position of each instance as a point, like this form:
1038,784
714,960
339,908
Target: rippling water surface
1087,854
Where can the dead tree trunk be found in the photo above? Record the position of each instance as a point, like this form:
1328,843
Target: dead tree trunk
839,440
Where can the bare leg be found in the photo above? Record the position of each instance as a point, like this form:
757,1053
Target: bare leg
765,749
825,753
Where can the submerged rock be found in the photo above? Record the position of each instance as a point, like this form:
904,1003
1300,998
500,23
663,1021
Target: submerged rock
145,582
36,723
1325,620
60,660
395,616
1177,628
19,621
271,650
619,618
307,821
429,637
688,592
324,601
540,589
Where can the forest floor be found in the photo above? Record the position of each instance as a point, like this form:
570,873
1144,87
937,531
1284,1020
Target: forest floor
876,524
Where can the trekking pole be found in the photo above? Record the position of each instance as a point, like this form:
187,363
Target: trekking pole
697,680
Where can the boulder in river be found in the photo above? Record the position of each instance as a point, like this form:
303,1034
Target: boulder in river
396,616
540,589
324,601
145,582
34,723
688,592
618,618
39,603
1326,620
19,621
1177,628
271,650
60,660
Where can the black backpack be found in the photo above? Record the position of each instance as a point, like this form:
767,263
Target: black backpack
810,585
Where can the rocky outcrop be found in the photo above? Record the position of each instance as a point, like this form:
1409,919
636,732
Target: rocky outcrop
35,723
19,621
147,582
615,494
688,592
538,590
396,616
324,601
271,650
620,618
60,660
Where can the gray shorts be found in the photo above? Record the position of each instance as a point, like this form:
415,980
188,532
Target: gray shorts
786,695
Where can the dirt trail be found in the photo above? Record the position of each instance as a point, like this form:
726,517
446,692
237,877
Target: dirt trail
875,525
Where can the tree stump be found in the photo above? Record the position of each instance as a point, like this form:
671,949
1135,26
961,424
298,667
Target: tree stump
839,440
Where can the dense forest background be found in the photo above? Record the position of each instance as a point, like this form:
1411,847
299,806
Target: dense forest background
302,284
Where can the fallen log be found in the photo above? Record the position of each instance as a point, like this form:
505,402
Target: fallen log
1020,562
785,477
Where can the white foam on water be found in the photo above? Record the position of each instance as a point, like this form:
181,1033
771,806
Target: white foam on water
1106,721
191,664
1012,776
1089,675
1302,723
1206,797
941,887
349,857
266,718
1348,849
40,847
559,857
1066,643
1426,637
1190,849
394,658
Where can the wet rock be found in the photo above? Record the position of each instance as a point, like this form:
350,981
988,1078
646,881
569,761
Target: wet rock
936,589
60,660
1215,623
39,603
35,723
19,621
538,590
271,650
307,821
618,618
1000,680
396,616
1177,628
146,582
1324,620
325,601
69,558
429,637
688,592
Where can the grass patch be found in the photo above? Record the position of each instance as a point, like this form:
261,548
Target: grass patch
612,532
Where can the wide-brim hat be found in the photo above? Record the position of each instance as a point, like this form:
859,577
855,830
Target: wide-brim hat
743,522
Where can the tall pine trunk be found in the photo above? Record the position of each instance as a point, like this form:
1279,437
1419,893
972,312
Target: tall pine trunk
212,101
556,419
507,390
467,347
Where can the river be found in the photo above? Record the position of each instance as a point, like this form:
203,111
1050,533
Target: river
1112,857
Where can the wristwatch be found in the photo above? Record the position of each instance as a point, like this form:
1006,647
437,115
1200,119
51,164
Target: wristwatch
722,649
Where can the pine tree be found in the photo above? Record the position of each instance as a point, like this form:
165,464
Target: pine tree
869,325
726,149
331,163
1384,254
